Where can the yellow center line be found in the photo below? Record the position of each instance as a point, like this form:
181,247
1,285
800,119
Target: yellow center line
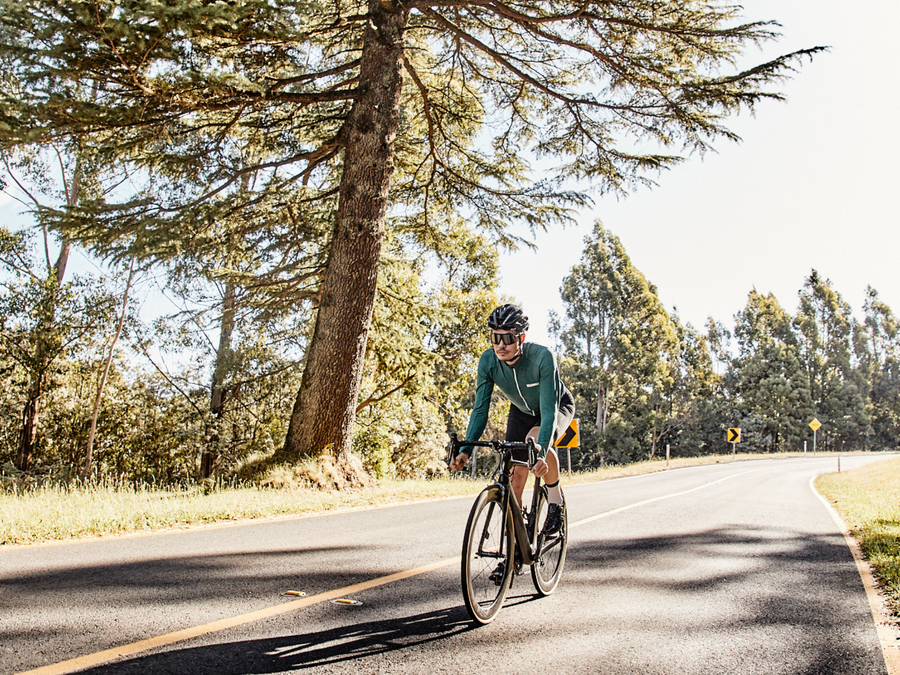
107,655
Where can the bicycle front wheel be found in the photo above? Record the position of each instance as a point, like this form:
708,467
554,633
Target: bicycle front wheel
551,556
487,557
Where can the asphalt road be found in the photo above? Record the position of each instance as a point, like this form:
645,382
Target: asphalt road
729,568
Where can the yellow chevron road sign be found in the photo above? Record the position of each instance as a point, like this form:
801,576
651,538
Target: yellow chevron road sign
569,439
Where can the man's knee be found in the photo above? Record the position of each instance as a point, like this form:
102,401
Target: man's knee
519,477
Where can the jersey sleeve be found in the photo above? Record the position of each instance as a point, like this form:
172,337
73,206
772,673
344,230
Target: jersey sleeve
550,394
484,387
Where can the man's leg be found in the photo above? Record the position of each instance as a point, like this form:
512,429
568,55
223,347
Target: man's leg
555,499
519,476
518,479
553,464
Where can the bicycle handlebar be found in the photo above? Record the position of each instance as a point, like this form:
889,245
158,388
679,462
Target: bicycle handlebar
499,446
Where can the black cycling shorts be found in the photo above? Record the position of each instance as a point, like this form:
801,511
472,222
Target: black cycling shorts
519,423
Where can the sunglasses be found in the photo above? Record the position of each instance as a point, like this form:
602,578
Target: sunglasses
504,338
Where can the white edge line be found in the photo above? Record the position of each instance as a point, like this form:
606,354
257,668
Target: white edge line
672,495
887,634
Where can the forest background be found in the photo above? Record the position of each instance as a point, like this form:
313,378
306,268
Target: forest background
99,383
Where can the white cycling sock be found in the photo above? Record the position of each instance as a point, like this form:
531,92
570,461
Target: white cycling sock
554,493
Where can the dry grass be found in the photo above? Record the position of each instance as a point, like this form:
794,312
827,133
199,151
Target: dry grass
53,513
868,499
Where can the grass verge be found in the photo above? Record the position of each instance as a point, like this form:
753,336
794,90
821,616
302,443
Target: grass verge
57,512
868,499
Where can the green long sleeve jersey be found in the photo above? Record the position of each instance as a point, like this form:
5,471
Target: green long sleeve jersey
532,384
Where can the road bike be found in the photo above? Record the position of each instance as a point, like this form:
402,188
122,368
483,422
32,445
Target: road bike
502,538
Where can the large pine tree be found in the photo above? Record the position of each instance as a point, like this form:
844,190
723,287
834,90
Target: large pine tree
408,109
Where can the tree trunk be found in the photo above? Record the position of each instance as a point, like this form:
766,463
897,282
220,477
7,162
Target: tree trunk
28,435
217,389
101,384
29,429
602,409
324,412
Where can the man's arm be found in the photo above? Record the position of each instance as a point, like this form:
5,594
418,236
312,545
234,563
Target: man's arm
549,388
478,419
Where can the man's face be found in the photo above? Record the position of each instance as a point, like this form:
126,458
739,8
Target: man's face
505,352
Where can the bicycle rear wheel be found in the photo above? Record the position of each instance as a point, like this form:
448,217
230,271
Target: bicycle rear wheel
487,545
548,567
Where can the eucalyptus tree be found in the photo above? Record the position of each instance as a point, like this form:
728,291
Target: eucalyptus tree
38,176
624,342
426,339
877,350
770,377
877,338
825,326
123,315
384,106
718,339
697,407
41,320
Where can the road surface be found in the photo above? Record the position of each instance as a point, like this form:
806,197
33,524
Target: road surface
729,568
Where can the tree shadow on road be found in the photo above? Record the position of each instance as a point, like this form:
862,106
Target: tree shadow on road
773,599
329,647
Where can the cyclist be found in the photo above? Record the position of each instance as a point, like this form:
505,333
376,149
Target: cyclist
541,407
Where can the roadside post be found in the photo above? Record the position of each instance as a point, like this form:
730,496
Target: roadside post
734,437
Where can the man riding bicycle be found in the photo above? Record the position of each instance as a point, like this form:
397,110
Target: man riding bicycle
541,407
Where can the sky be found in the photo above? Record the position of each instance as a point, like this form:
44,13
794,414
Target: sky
814,184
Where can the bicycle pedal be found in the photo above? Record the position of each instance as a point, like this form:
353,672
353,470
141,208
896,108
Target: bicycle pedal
497,575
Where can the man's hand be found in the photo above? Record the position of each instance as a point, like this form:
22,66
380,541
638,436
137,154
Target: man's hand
540,467
458,463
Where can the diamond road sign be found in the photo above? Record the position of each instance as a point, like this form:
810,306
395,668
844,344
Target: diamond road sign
815,424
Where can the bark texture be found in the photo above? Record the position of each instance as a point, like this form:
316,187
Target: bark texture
323,415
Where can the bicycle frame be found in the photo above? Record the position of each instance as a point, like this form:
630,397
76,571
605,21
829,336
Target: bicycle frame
521,529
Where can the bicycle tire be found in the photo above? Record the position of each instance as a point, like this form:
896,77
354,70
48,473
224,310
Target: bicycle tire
486,544
549,563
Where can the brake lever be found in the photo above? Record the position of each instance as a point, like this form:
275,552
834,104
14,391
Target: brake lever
454,443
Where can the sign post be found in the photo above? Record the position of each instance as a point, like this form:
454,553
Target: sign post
734,437
814,425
